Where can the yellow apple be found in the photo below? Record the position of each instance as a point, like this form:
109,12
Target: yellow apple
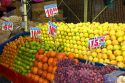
115,42
108,42
90,58
120,64
110,47
112,57
119,58
113,62
107,61
101,61
94,54
95,59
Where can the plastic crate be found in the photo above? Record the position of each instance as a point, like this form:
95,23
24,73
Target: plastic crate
11,39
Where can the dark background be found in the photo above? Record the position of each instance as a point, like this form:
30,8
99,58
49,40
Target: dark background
115,14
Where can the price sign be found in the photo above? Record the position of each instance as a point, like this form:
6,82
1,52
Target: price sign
7,26
52,28
35,32
51,10
96,42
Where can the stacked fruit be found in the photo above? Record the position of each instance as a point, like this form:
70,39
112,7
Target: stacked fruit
75,38
26,55
69,72
10,51
45,66
49,47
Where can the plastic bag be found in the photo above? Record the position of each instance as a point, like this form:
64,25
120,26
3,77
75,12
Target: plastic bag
112,77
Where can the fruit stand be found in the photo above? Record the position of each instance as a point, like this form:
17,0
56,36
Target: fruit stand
12,72
59,52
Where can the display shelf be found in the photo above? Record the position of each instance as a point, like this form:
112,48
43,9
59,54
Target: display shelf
14,76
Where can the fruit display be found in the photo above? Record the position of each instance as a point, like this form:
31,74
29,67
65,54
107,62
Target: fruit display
52,47
25,57
75,38
11,50
52,58
69,72
45,65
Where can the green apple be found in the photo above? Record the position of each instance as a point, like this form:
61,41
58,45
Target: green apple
83,43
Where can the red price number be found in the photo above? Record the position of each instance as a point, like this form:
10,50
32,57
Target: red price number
35,33
7,26
51,11
52,30
93,43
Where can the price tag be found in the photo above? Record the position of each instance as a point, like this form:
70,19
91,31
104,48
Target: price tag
51,10
35,32
52,28
96,42
7,26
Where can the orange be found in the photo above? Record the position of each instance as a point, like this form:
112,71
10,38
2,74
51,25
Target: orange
71,56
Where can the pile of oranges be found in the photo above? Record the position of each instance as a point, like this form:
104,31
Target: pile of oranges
45,65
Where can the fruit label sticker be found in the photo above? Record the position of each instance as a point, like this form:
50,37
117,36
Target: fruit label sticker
35,32
96,42
52,28
51,10
8,25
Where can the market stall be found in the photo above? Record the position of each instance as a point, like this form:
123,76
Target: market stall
59,52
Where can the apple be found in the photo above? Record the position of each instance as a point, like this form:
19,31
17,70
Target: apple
75,38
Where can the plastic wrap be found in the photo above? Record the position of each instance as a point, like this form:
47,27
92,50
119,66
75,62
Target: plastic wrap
112,77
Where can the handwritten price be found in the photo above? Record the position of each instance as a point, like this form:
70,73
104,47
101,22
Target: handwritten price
52,28
96,42
7,26
93,43
35,32
51,10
